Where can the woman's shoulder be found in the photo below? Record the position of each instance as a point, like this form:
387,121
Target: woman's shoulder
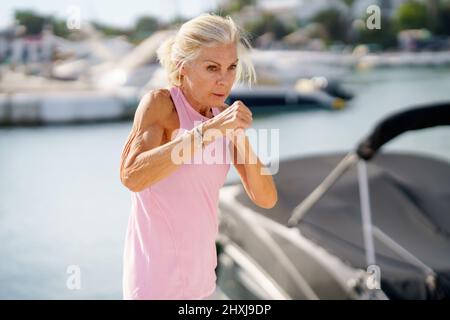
160,93
159,96
156,104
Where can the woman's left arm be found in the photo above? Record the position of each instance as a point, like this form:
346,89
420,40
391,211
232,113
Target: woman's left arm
259,187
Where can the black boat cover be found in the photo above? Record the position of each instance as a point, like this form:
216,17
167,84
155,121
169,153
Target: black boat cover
410,202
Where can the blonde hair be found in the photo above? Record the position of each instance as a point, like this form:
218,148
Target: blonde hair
205,30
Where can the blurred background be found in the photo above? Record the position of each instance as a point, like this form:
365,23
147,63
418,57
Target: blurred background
72,74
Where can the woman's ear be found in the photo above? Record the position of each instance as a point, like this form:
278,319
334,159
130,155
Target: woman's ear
181,72
182,69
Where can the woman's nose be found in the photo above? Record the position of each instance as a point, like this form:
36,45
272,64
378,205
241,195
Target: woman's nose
223,79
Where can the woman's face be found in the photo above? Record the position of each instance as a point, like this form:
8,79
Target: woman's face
208,78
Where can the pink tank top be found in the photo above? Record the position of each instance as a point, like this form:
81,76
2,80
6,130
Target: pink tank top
170,250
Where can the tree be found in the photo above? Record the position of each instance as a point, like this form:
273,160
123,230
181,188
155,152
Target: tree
334,22
386,37
110,30
443,20
144,27
32,21
411,15
233,6
268,23
60,28
146,24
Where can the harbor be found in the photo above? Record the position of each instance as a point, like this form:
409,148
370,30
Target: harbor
60,220
362,153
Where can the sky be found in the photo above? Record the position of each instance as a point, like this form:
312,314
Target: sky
117,13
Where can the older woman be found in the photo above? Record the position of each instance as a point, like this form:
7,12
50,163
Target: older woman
170,248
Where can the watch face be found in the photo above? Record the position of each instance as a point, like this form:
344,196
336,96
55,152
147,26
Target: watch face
198,135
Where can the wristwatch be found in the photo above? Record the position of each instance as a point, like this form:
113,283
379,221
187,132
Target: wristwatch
198,133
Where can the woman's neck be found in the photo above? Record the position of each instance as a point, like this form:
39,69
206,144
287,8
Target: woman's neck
202,109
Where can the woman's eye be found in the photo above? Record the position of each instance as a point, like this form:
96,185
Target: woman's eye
214,68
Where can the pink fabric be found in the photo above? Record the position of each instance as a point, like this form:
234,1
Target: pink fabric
170,248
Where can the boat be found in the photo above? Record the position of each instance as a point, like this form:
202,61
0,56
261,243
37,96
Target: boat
362,225
275,97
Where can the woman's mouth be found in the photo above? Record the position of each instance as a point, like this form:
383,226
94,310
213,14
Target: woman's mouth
219,95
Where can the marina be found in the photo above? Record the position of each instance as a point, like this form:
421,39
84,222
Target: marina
59,221
346,105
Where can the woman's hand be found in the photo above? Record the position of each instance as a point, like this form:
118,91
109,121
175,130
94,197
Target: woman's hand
232,120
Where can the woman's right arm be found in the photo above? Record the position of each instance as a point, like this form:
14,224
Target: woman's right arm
144,160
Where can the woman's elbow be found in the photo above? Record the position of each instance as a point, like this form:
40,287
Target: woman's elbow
129,182
268,202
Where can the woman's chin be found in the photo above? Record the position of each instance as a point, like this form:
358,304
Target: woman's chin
220,100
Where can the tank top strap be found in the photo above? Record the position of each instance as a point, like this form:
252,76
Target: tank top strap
181,111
